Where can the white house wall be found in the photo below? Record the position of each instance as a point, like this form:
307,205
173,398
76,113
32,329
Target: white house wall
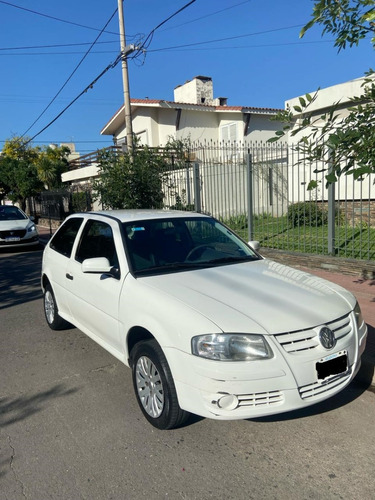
165,123
261,128
346,188
198,126
301,173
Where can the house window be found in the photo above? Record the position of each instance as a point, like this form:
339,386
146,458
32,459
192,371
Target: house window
229,132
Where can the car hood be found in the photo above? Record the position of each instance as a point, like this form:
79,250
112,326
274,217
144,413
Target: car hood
260,297
9,225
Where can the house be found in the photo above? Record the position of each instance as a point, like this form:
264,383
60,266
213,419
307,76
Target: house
193,114
323,100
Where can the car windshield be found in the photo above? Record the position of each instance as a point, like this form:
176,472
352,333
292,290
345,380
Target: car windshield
177,244
8,212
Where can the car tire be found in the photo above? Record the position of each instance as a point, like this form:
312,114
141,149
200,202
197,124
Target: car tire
154,387
51,312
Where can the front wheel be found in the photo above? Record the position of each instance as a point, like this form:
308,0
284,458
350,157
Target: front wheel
51,312
154,386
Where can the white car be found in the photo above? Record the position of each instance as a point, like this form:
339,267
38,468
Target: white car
16,228
207,325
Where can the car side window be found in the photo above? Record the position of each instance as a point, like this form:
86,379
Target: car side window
63,240
97,241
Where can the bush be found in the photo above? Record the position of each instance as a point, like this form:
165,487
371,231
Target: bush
81,201
130,182
306,213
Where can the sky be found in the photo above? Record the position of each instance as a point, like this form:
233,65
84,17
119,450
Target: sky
50,52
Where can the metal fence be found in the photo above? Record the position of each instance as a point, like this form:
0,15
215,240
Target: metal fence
261,191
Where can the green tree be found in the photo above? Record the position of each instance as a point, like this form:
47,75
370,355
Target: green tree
18,173
26,170
127,181
51,163
349,141
350,21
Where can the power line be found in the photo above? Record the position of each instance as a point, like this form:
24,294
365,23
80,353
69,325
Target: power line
53,17
89,86
110,66
231,47
149,37
228,38
180,48
71,75
207,15
21,54
54,45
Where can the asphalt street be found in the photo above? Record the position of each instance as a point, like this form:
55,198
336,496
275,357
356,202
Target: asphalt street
70,427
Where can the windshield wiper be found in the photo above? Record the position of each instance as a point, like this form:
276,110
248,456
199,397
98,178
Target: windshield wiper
175,266
228,260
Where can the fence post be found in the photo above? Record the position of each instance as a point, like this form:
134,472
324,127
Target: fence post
250,209
331,211
188,193
197,188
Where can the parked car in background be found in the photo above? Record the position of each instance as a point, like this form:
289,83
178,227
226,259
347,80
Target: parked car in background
207,325
16,228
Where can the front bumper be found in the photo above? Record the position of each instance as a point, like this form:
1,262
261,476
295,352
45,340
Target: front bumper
239,390
23,242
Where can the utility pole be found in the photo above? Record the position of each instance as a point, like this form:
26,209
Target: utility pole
125,50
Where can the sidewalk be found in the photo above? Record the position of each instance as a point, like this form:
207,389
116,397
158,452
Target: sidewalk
364,291
45,233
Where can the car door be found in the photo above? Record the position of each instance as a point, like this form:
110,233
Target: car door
56,261
94,298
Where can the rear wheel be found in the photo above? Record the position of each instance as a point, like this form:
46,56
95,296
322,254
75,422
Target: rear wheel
51,312
154,386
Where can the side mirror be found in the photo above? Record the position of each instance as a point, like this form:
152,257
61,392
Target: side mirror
99,265
255,245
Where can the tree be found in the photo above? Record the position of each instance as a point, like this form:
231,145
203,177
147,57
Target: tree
18,173
350,21
348,142
26,170
130,181
51,163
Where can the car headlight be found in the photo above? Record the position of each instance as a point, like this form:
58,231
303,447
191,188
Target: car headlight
358,316
231,347
31,229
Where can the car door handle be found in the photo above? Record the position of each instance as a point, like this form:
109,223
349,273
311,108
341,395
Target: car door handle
69,276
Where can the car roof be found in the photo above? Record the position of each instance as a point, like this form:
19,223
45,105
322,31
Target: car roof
143,214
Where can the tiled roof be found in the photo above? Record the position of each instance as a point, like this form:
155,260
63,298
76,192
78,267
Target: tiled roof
184,105
218,108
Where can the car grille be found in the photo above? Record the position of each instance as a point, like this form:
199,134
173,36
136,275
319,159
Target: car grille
317,389
18,233
261,399
303,340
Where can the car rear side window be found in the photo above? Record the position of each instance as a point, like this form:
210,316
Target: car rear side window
63,240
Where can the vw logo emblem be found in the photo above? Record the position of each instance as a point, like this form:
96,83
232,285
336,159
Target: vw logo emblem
327,338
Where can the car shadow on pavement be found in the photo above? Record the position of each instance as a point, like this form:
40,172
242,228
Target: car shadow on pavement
19,277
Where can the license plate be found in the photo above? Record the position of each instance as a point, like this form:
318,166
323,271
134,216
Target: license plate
332,366
12,238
